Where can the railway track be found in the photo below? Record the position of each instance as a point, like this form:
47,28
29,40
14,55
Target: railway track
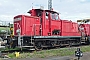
31,50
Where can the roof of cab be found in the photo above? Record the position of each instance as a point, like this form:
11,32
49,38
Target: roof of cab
47,10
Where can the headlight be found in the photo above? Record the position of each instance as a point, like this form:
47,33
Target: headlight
18,31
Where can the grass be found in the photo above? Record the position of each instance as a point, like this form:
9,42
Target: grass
50,53
8,49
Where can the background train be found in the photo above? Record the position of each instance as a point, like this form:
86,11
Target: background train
5,32
44,28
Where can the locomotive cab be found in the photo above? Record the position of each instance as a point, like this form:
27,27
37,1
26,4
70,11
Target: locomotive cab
49,21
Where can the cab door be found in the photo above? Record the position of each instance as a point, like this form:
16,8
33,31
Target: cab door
46,23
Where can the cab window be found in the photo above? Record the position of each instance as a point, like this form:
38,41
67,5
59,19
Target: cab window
46,16
54,16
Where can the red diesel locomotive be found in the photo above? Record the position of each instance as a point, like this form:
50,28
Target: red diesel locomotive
44,28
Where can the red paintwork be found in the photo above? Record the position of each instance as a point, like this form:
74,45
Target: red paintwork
69,28
56,24
30,25
86,29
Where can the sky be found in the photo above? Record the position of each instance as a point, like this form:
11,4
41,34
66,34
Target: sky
68,9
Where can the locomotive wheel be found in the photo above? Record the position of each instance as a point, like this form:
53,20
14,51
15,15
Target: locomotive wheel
38,46
52,44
